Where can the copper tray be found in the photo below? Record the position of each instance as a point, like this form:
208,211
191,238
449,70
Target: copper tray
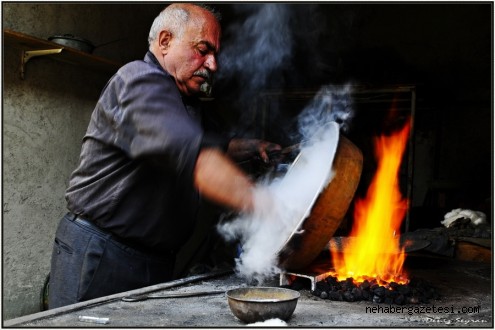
327,211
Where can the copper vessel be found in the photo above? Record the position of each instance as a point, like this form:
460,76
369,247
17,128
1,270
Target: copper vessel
314,232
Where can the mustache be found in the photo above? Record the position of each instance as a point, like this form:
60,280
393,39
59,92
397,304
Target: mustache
204,73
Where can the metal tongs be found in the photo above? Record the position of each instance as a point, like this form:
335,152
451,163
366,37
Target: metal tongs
141,297
285,151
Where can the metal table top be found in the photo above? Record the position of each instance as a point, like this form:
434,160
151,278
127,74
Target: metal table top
462,285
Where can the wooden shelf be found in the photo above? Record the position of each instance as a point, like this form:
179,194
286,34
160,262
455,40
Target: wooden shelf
29,45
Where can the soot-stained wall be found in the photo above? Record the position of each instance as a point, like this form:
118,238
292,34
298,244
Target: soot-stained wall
44,119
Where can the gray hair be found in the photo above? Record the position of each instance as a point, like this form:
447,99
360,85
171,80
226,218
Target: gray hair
174,18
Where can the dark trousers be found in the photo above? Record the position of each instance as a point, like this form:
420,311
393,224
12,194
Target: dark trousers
88,263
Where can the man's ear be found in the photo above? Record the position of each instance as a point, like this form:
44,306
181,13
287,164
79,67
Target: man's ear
164,39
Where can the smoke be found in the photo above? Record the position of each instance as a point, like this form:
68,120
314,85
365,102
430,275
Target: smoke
331,103
283,203
256,47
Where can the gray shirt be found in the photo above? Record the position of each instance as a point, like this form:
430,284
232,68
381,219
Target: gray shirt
135,175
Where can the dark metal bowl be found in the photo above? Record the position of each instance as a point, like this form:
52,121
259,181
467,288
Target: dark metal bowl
256,304
71,41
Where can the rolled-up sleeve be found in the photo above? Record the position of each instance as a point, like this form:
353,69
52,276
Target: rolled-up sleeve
149,121
135,174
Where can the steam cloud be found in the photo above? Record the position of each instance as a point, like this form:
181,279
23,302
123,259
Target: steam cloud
282,204
255,50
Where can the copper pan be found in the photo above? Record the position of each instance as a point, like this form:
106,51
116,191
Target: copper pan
314,232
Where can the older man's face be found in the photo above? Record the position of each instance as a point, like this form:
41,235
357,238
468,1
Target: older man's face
191,60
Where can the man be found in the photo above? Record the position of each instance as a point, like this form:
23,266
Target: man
145,162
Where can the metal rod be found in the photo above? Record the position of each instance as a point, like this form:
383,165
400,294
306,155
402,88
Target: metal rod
141,297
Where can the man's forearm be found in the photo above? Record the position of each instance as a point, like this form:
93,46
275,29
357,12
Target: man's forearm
220,180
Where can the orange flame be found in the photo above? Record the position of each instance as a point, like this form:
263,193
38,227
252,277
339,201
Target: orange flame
374,250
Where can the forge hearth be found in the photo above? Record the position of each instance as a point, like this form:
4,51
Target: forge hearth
320,281
415,292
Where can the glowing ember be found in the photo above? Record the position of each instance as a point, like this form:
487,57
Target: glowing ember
375,251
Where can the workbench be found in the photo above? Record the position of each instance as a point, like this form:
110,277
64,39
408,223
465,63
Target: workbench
463,286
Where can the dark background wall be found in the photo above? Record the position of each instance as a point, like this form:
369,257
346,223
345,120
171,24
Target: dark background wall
444,50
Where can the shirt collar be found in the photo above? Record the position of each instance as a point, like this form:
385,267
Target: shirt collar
151,59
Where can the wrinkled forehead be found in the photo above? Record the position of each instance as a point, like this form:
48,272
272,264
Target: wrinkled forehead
203,28
204,25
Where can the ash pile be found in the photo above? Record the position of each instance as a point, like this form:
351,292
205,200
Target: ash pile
459,224
464,227
417,291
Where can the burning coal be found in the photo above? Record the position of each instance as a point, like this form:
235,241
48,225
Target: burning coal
415,292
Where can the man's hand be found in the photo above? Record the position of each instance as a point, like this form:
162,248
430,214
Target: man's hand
244,149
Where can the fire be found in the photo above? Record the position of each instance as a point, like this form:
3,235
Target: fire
374,250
